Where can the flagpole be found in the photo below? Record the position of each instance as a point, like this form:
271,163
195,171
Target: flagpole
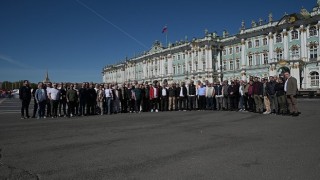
167,38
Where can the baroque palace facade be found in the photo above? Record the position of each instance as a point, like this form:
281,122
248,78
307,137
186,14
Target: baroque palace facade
265,49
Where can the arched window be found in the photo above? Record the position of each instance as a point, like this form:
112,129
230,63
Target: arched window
314,76
249,44
250,60
313,31
265,58
294,35
278,38
279,54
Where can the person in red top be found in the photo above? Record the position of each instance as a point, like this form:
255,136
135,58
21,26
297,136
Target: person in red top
153,95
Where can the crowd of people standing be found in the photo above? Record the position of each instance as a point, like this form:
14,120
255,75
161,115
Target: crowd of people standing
275,95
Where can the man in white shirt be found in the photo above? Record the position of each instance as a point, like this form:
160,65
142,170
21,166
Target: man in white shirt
109,96
54,96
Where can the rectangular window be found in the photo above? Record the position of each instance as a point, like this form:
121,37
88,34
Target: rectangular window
237,49
257,43
313,53
294,34
250,60
224,65
238,64
231,65
204,65
313,31
230,51
265,41
279,38
258,60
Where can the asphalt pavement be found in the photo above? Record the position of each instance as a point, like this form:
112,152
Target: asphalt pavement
163,145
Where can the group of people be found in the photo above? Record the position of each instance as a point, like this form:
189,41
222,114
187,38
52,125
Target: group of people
274,95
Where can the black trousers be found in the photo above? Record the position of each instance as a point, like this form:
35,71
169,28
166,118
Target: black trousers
63,106
35,108
82,107
25,107
164,103
202,102
124,105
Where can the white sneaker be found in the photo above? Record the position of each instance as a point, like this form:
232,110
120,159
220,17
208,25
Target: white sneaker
151,110
156,110
266,112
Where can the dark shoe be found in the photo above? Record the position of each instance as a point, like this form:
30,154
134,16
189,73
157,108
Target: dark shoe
295,114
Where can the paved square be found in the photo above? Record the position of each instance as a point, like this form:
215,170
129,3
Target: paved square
164,145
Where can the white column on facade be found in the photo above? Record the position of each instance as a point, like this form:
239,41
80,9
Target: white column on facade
243,54
162,66
206,50
122,75
159,66
169,64
318,26
192,60
271,46
153,67
200,62
285,44
144,69
219,62
186,61
209,63
303,45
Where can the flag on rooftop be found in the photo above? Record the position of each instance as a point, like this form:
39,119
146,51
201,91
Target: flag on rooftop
165,29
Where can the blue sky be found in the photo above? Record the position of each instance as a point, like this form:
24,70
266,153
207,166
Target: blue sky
75,39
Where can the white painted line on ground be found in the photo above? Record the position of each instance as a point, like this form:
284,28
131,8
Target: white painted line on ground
2,100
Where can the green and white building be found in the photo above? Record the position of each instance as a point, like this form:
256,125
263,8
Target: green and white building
263,49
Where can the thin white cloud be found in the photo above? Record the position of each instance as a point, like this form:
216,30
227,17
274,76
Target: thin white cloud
14,62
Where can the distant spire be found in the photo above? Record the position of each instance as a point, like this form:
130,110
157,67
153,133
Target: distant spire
46,79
